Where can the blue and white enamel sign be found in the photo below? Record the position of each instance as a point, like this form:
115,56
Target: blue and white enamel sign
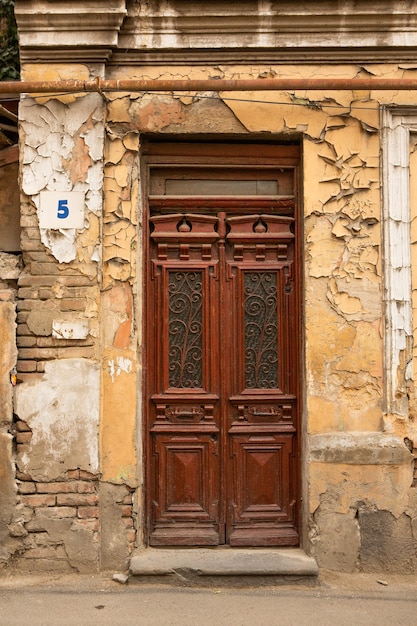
61,209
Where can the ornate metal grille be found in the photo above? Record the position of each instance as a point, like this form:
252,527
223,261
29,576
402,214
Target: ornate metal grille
260,319
185,344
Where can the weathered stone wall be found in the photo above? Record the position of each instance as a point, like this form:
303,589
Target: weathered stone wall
79,406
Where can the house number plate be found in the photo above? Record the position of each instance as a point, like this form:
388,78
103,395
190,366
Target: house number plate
61,209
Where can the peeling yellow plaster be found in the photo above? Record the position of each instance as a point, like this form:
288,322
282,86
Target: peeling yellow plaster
312,168
121,175
323,416
325,252
53,72
385,486
118,109
345,303
88,240
120,233
366,112
114,151
131,141
118,422
329,337
360,409
264,115
353,141
112,198
365,354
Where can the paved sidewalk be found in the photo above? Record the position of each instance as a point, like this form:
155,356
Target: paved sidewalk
79,600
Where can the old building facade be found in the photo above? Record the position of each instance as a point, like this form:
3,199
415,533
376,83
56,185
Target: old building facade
215,315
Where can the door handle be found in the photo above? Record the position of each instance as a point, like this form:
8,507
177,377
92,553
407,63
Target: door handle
270,413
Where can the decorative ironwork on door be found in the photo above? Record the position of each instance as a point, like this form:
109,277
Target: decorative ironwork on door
261,336
185,342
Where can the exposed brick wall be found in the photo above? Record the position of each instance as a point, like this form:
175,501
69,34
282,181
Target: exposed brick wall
128,516
23,436
75,500
50,290
49,511
35,294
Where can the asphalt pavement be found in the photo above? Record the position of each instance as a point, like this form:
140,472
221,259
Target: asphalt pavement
80,600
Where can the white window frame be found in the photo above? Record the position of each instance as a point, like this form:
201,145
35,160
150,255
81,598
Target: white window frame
397,125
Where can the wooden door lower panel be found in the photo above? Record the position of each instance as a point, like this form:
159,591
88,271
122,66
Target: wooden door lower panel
186,490
262,509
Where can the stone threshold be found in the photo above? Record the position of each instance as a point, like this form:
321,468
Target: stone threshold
187,564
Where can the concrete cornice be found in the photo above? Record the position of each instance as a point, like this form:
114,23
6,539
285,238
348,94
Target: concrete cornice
269,56
275,31
193,32
75,30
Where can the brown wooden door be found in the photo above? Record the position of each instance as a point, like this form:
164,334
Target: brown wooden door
222,373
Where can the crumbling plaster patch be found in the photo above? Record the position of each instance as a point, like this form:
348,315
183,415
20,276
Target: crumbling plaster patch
76,542
62,411
367,504
382,484
343,380
119,303
120,224
8,357
335,539
63,151
385,541
114,539
8,545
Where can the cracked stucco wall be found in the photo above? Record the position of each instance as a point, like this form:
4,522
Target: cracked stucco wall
357,471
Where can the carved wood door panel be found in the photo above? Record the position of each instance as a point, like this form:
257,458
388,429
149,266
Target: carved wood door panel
222,375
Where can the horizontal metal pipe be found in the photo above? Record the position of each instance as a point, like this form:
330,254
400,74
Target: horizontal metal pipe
220,84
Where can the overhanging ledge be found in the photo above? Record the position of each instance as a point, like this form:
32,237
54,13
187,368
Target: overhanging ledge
223,562
358,448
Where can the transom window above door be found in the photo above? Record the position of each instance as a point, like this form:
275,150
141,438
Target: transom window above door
207,178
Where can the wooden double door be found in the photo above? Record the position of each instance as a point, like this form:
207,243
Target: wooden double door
222,372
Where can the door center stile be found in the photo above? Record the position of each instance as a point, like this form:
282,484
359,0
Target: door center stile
223,362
